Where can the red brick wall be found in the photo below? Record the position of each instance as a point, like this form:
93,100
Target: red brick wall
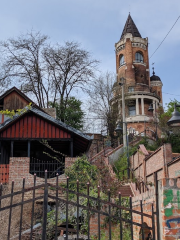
145,166
19,169
148,198
155,163
174,169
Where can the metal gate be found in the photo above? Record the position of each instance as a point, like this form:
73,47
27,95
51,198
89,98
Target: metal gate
67,214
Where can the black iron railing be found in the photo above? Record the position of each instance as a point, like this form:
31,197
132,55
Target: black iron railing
53,167
113,211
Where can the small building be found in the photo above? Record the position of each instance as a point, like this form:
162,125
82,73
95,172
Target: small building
36,135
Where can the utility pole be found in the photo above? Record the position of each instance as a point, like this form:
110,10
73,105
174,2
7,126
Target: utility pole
122,83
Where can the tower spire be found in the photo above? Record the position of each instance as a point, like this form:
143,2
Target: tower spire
130,27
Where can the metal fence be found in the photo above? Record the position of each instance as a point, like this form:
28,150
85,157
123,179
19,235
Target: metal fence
53,166
66,202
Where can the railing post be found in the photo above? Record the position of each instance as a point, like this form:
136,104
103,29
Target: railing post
56,217
120,216
1,189
21,215
99,224
153,223
157,206
88,215
142,225
109,200
10,209
67,205
32,214
77,209
45,208
131,217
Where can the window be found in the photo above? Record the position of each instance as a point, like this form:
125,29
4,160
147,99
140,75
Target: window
121,60
132,110
139,57
130,89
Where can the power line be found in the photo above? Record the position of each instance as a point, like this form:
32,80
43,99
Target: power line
171,94
165,37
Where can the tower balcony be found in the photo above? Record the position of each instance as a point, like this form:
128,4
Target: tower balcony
137,89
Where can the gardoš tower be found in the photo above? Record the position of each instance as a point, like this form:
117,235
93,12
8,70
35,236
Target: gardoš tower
132,64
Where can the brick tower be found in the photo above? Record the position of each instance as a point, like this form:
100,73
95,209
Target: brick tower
132,64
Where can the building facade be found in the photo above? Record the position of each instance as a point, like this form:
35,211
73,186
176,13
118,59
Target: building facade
140,90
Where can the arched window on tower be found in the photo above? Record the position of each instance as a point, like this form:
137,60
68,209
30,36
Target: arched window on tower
139,57
121,60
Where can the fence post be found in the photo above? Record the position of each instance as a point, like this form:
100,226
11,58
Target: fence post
109,200
21,215
88,213
45,208
67,204
142,228
1,189
10,210
120,215
56,217
153,223
77,209
131,217
32,214
99,208
157,206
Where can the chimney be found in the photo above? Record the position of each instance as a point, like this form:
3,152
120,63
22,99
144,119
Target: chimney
50,111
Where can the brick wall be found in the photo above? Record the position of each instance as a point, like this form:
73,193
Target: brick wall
174,169
170,208
148,199
19,169
159,161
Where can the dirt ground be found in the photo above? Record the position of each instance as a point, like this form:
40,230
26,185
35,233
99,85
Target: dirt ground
16,215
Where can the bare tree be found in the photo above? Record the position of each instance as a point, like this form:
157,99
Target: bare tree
70,67
47,72
23,65
100,96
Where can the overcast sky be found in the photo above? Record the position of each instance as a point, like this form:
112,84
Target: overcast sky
98,24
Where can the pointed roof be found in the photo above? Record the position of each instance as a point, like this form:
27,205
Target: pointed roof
130,27
18,91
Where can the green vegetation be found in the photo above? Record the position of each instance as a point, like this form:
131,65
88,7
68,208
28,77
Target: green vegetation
70,112
85,172
121,165
150,144
171,134
18,111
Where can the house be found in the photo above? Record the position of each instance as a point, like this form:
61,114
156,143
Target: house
36,136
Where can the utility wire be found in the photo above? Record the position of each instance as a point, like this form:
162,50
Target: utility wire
171,94
165,37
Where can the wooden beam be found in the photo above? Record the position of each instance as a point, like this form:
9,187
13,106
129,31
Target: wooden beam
0,153
71,148
12,148
29,149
